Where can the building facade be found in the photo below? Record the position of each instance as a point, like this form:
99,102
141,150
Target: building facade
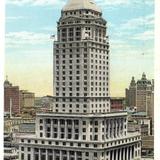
80,137
27,103
144,95
81,126
140,122
131,94
11,99
141,95
117,103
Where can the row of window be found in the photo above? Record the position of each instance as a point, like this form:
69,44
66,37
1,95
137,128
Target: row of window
77,66
70,111
82,50
81,100
63,94
83,44
76,122
79,12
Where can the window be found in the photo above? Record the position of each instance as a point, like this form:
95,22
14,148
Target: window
29,157
84,137
41,134
95,154
22,156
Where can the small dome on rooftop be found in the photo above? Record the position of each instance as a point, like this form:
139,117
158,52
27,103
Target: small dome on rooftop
81,4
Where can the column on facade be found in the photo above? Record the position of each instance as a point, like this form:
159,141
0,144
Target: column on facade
127,152
130,152
73,129
51,128
116,155
105,125
68,158
113,154
53,155
39,154
65,130
32,153
58,128
109,126
123,153
46,154
100,131
112,128
75,155
120,154
80,130
60,155
116,128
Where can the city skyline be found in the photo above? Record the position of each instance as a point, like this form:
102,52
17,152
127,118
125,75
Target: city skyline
29,47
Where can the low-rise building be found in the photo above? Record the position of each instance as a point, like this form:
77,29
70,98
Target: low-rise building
27,103
117,103
148,147
80,137
13,125
139,121
10,150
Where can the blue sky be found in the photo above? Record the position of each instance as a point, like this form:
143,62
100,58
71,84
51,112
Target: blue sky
29,57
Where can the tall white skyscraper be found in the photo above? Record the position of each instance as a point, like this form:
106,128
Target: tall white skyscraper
81,60
81,126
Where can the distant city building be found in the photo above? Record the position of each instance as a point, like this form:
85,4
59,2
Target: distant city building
81,126
15,124
43,104
11,99
10,150
138,121
117,103
27,103
28,127
141,95
144,94
131,94
148,147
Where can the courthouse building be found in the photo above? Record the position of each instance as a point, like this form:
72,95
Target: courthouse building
81,126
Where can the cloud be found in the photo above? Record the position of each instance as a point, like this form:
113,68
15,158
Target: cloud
61,3
124,49
144,21
12,18
114,3
145,36
19,39
36,2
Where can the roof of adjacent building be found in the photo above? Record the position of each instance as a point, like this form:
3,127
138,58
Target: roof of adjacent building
140,113
81,4
148,142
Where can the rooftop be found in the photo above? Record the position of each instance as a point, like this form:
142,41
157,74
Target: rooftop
84,115
81,4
